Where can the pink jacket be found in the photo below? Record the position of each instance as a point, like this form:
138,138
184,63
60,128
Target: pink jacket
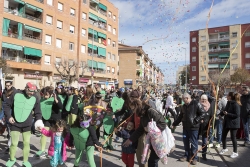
51,150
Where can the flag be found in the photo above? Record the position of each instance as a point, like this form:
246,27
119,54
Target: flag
104,42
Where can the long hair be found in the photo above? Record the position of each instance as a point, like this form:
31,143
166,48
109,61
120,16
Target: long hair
237,98
231,95
89,92
136,106
126,99
60,124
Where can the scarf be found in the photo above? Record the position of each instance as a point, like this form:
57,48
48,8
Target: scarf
206,105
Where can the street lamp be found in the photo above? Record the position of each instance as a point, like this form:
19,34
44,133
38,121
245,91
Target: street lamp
37,73
186,69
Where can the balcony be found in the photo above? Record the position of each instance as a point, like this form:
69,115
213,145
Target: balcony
96,55
217,60
99,24
21,60
95,39
97,71
104,13
224,38
220,50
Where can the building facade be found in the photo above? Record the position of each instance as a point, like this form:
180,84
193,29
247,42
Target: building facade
210,50
39,35
135,68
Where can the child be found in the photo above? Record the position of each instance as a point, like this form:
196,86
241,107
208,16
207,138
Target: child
128,153
108,128
58,142
85,139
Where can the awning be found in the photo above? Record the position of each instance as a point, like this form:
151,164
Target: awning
91,47
224,44
20,1
12,46
99,65
92,16
223,65
91,31
34,7
212,55
90,64
95,1
32,28
102,51
222,33
32,52
102,35
213,65
102,20
103,7
224,55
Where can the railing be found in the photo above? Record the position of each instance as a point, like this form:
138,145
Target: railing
12,35
93,8
30,38
219,50
41,1
99,25
15,12
217,60
97,71
90,38
226,38
96,55
103,12
21,60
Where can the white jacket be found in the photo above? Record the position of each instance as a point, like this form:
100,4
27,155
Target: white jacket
170,102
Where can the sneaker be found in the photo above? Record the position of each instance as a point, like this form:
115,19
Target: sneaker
247,143
183,159
234,155
194,162
217,145
210,145
223,151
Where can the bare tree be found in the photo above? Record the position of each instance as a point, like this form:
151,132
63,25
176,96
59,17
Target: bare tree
68,69
222,79
7,71
240,76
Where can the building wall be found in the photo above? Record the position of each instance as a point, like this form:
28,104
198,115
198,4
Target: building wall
245,50
194,34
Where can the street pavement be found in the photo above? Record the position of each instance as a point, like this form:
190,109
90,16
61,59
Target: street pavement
112,159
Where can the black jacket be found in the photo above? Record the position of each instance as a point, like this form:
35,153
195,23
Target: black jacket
92,139
56,109
189,116
232,119
125,113
245,108
145,119
4,94
206,117
125,134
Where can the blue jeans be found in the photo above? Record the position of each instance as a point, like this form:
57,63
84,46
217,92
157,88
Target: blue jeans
1,114
218,125
246,128
190,136
204,141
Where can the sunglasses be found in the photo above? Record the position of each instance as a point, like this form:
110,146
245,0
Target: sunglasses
31,90
7,85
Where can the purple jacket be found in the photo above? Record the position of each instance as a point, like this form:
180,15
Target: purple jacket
50,133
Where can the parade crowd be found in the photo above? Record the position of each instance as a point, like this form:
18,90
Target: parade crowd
72,118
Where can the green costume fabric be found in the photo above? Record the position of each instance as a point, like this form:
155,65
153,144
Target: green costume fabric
23,106
80,137
14,143
108,123
62,98
81,106
103,93
46,107
90,156
116,103
109,142
71,119
69,102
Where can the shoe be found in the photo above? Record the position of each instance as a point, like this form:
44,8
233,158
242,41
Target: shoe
217,145
7,151
41,154
247,143
210,145
183,159
194,162
223,151
234,155
204,157
11,163
27,164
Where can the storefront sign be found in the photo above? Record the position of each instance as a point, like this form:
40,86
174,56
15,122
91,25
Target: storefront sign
57,78
128,82
83,80
32,76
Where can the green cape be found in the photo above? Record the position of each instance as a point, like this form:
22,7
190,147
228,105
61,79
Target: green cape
62,98
80,137
46,107
116,103
108,124
69,102
23,106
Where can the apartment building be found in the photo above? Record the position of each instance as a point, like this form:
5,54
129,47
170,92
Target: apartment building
135,68
38,35
210,50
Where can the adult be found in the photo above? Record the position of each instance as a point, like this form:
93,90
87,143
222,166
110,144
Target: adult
177,100
146,114
190,112
61,94
245,112
71,105
212,101
170,105
231,122
22,103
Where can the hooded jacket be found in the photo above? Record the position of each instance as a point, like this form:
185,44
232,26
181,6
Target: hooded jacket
245,108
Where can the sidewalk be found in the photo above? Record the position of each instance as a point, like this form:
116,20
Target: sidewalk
112,159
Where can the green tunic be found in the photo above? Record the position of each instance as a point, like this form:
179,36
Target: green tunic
69,102
116,103
108,123
23,106
62,98
46,107
80,137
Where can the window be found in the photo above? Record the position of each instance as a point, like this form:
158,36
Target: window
247,33
193,68
193,49
234,66
58,43
84,1
72,29
113,57
247,66
203,78
109,55
193,78
71,46
194,39
193,59
84,16
83,32
203,48
114,44
72,12
234,34
47,59
113,70
109,41
108,69
50,2
71,62
60,6
235,56
247,55
59,24
49,19
109,14
48,39
58,61
114,17
114,31
83,48
109,28
234,45
247,44
203,38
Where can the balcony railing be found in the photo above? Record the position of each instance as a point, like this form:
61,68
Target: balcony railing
30,38
15,12
96,55
97,71
103,12
225,38
217,60
21,60
99,25
95,39
219,50
41,1
93,8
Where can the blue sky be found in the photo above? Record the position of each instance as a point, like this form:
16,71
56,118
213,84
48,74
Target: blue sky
143,21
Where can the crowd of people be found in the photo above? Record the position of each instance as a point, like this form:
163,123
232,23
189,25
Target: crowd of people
66,115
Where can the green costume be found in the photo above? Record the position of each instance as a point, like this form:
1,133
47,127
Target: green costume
116,103
71,117
108,126
62,98
69,103
80,138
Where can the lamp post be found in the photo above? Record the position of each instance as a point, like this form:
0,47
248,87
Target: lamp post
92,71
186,69
37,73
